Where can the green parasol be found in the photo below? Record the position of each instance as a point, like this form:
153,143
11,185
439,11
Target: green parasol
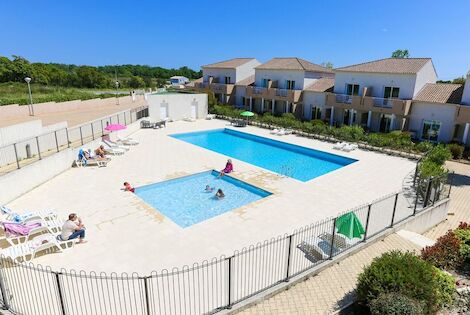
247,114
349,225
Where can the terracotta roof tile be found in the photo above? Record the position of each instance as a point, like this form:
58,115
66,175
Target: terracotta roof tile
229,64
248,81
440,93
292,64
388,65
321,85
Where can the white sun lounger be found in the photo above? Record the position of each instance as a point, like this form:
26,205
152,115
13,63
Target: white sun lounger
210,116
93,162
340,240
17,217
113,145
29,250
349,147
317,247
339,145
127,141
274,131
189,119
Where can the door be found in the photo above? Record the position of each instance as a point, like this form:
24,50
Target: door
385,123
193,111
163,112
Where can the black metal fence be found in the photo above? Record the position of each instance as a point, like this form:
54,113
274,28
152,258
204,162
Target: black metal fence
27,151
210,286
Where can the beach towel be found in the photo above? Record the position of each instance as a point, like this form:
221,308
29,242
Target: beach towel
18,229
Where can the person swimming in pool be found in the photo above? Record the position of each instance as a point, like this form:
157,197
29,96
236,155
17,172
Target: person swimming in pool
209,188
219,194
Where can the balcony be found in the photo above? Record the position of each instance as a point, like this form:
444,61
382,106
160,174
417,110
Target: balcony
201,85
291,96
387,105
344,101
221,88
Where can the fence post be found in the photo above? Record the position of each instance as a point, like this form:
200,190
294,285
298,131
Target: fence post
125,120
6,304
289,251
39,150
81,136
16,155
229,305
59,290
333,238
394,210
56,142
451,182
146,288
92,132
102,129
428,193
67,134
117,118
367,222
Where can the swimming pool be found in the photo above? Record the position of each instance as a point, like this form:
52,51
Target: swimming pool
280,157
185,201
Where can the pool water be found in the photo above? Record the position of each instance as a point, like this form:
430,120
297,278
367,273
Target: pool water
185,201
283,158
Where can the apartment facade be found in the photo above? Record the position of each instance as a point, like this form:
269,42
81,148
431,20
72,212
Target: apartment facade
381,96
223,78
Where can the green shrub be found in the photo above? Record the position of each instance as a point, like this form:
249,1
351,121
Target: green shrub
428,168
445,288
403,273
395,304
439,154
456,150
424,146
445,253
464,237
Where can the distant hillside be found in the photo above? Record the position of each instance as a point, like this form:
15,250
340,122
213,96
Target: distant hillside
69,75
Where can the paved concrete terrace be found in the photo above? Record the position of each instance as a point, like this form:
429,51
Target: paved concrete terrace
125,234
73,118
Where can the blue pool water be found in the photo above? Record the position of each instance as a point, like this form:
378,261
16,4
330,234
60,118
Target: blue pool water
283,158
185,201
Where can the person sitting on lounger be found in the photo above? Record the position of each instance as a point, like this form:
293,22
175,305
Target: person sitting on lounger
100,151
73,228
209,188
228,168
219,194
128,187
82,157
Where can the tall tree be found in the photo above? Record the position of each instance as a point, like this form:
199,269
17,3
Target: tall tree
401,53
327,64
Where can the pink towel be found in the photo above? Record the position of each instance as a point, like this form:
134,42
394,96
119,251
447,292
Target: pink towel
18,229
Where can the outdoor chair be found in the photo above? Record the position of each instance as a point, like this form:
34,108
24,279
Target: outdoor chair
317,248
17,217
114,145
127,140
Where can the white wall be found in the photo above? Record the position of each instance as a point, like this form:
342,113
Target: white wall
376,81
220,74
280,76
246,70
179,105
443,113
240,92
427,74
313,99
466,91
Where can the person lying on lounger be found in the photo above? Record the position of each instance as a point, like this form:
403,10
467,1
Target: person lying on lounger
100,151
228,168
73,228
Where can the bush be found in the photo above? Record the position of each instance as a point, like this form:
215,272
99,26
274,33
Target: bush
403,273
396,304
456,150
463,235
446,288
428,168
445,253
439,154
424,146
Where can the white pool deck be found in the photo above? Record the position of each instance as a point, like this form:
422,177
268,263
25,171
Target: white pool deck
126,235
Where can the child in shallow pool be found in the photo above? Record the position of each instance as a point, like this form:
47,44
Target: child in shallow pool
219,194
209,188
128,187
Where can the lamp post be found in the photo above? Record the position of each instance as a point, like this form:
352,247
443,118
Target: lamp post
117,86
31,108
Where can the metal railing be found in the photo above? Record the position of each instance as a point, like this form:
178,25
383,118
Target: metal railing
383,102
281,92
19,154
343,98
210,286
258,90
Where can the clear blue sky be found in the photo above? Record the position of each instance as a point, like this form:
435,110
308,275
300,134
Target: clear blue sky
194,33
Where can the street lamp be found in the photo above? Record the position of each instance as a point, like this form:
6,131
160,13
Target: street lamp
31,108
117,86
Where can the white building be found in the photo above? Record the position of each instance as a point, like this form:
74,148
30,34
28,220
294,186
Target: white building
177,106
178,80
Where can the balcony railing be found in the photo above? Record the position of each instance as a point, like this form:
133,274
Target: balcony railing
281,92
383,102
201,85
258,90
343,98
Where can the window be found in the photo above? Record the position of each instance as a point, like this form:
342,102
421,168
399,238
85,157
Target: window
227,80
430,130
316,113
391,92
352,89
290,84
